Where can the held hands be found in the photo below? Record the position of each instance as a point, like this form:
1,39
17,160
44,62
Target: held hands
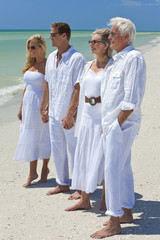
44,116
68,122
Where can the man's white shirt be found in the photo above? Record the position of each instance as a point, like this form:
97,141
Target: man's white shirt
62,79
123,89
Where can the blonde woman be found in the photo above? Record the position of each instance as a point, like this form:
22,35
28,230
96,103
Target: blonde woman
34,141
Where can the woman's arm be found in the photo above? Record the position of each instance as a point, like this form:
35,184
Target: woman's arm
20,109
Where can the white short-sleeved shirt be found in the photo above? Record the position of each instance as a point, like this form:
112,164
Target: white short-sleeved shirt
123,89
62,79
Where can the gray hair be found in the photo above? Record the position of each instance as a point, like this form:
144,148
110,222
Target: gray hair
104,34
124,26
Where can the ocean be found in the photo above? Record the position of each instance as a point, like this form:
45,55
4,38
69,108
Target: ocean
13,54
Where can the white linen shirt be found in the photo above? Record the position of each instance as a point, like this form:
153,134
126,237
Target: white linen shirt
123,89
62,79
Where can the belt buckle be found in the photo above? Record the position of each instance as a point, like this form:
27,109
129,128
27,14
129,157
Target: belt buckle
92,101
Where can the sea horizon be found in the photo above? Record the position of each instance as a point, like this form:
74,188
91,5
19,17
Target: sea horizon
32,30
13,53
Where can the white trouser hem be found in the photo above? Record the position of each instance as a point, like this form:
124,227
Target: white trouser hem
114,214
62,183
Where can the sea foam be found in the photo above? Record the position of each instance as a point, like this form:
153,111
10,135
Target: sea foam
8,93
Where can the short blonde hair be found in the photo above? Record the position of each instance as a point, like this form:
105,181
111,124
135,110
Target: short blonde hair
41,42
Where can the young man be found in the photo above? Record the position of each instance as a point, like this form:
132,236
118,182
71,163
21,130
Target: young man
122,94
63,70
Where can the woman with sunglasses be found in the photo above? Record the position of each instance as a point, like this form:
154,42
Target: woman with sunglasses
89,163
34,141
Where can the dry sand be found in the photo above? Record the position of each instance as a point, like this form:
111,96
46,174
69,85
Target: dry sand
28,213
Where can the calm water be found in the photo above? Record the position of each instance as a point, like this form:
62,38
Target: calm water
12,54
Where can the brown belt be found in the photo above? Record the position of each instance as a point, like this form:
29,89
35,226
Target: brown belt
93,100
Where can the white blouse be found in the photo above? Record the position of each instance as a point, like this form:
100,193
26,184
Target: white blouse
92,83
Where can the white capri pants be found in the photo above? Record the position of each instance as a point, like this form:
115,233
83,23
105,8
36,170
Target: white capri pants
119,185
61,140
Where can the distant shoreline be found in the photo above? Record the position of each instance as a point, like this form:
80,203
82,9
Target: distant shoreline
32,30
46,30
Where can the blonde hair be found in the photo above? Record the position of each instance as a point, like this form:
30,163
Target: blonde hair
41,42
104,34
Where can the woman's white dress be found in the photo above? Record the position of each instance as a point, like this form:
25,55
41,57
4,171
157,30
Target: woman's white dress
34,140
89,162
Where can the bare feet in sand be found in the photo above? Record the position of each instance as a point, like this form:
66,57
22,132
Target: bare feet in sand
30,179
113,228
83,204
44,175
74,196
79,206
58,189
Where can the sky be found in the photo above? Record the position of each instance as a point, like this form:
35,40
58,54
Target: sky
79,14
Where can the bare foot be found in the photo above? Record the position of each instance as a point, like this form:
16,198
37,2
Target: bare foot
30,179
44,175
106,232
74,196
79,206
102,206
110,230
58,189
106,223
127,217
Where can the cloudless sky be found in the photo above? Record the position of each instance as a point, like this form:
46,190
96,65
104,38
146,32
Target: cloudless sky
79,14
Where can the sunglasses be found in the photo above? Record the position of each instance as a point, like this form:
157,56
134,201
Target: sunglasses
112,33
95,41
53,34
31,47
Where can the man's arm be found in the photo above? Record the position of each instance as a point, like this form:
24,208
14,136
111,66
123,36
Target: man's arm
69,120
45,103
124,114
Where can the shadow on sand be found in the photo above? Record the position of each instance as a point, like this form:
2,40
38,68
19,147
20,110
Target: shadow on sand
146,216
146,213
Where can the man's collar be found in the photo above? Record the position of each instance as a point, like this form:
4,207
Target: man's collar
67,52
123,52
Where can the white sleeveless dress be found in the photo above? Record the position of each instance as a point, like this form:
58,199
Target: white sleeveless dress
34,140
89,161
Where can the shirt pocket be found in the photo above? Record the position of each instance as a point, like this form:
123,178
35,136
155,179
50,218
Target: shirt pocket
116,81
113,89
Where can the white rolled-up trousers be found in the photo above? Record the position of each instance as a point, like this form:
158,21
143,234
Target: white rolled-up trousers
119,184
63,143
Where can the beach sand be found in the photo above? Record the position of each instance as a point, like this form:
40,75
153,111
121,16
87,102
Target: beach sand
28,213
